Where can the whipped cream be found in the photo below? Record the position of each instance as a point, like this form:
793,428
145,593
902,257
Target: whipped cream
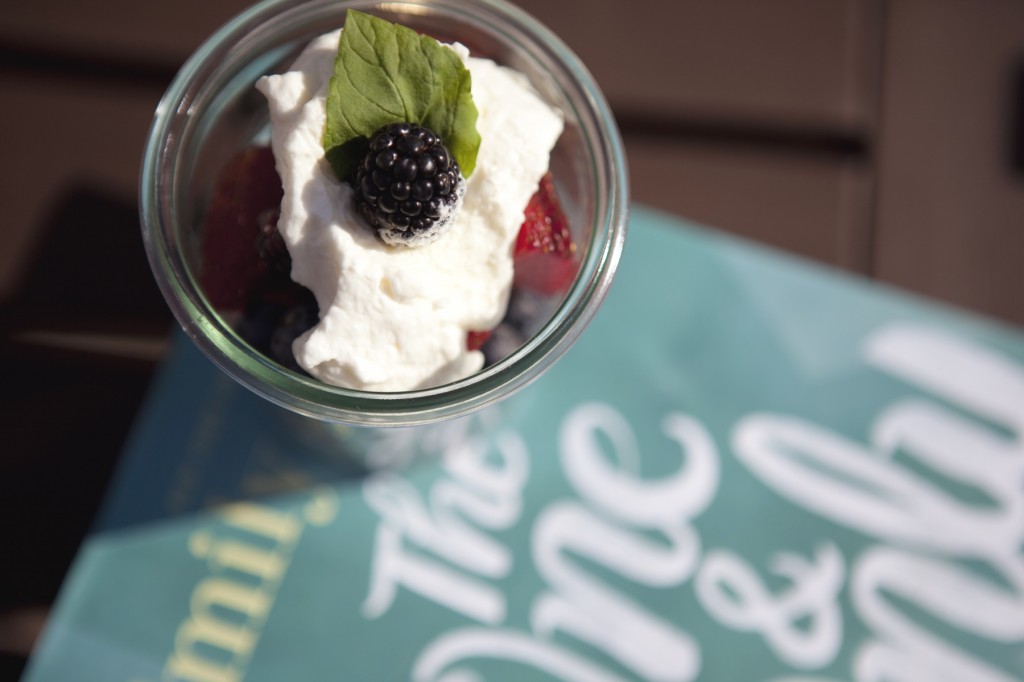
396,318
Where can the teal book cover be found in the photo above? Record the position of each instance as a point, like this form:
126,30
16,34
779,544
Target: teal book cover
748,468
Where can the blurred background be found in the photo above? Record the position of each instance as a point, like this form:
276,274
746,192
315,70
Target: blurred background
881,137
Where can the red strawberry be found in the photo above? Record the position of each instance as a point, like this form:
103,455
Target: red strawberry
476,340
544,248
240,223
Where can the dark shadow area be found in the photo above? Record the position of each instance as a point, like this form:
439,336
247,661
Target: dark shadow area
65,413
89,272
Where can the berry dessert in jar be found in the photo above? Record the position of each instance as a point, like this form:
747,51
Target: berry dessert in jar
417,230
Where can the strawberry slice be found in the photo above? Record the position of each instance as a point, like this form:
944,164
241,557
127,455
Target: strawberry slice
240,223
476,340
544,248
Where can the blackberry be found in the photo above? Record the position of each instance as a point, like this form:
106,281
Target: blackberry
408,185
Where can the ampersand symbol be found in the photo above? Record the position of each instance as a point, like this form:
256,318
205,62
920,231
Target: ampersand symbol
733,593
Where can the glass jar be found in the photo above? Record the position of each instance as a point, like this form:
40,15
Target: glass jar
212,111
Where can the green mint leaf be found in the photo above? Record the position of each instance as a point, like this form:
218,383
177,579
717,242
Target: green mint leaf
385,73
